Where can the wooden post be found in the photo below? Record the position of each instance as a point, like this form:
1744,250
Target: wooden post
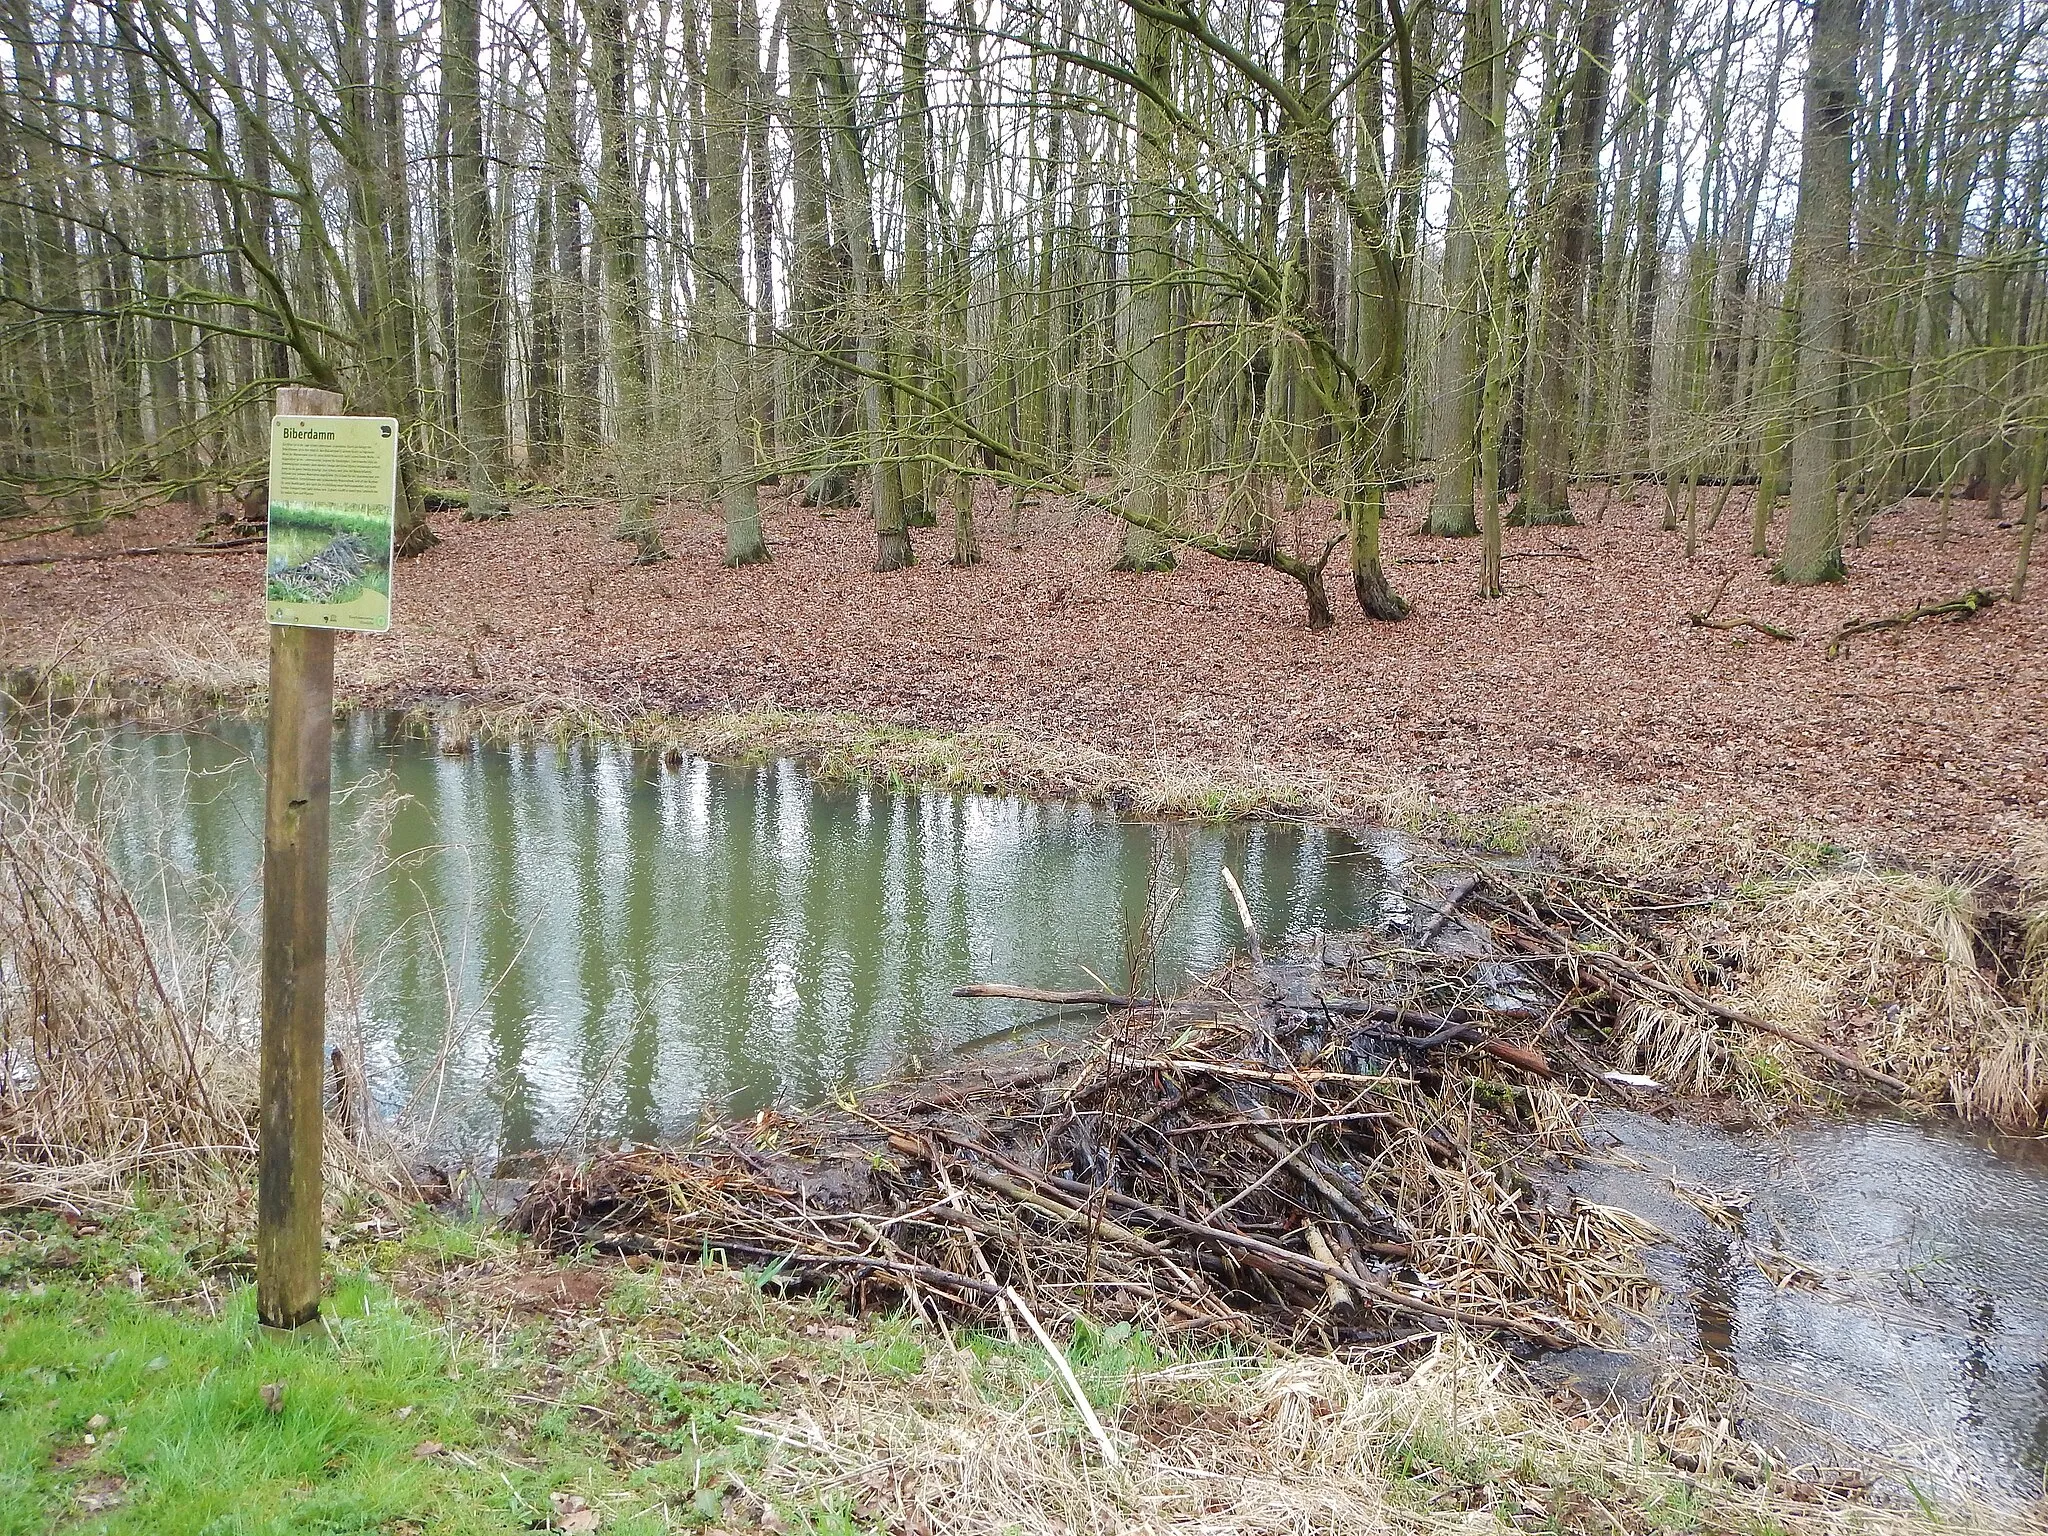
301,736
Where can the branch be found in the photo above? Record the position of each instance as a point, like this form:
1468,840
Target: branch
1954,610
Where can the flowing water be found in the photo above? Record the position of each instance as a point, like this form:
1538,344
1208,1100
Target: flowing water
1881,1286
546,940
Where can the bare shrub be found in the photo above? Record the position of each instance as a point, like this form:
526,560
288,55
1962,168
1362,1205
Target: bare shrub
128,1043
106,1072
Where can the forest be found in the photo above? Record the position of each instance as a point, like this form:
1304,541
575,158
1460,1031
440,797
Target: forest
1122,766
1231,272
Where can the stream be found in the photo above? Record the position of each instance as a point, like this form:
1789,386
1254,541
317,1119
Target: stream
544,940
1878,1285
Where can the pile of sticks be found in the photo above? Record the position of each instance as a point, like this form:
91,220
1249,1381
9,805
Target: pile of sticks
1332,1147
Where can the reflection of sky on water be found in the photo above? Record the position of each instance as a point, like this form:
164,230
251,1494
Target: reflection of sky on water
1925,1334
630,943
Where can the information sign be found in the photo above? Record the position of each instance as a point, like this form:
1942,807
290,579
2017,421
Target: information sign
333,510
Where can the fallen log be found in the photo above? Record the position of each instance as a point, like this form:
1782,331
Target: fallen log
1954,610
131,552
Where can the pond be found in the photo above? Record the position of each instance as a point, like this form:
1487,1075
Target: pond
581,938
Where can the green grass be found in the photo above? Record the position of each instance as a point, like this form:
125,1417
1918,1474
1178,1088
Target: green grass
143,1337
325,522
459,1390
390,1421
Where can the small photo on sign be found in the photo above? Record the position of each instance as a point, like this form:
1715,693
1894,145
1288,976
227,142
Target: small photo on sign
333,509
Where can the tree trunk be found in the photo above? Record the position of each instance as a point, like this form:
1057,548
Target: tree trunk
1546,476
893,551
479,343
618,238
1813,535
722,325
1649,235
1459,361
914,342
1151,457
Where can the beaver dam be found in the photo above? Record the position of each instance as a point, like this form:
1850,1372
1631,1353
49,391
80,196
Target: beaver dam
1375,1139
1329,1147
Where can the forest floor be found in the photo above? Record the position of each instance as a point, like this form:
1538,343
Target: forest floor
1585,685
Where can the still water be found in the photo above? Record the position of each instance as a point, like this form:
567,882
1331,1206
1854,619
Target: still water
560,940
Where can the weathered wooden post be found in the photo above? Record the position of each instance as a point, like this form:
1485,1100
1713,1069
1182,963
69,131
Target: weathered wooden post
322,481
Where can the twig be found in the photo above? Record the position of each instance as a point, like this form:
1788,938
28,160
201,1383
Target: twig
1386,1295
1761,626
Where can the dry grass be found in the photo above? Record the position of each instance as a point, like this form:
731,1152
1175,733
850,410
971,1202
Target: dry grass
1619,839
1891,962
1458,1443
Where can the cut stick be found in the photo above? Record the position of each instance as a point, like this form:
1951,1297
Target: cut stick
1067,1379
1335,1290
1058,999
1454,898
1244,916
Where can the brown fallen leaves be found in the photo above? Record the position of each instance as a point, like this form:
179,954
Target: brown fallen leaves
1586,678
571,1513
